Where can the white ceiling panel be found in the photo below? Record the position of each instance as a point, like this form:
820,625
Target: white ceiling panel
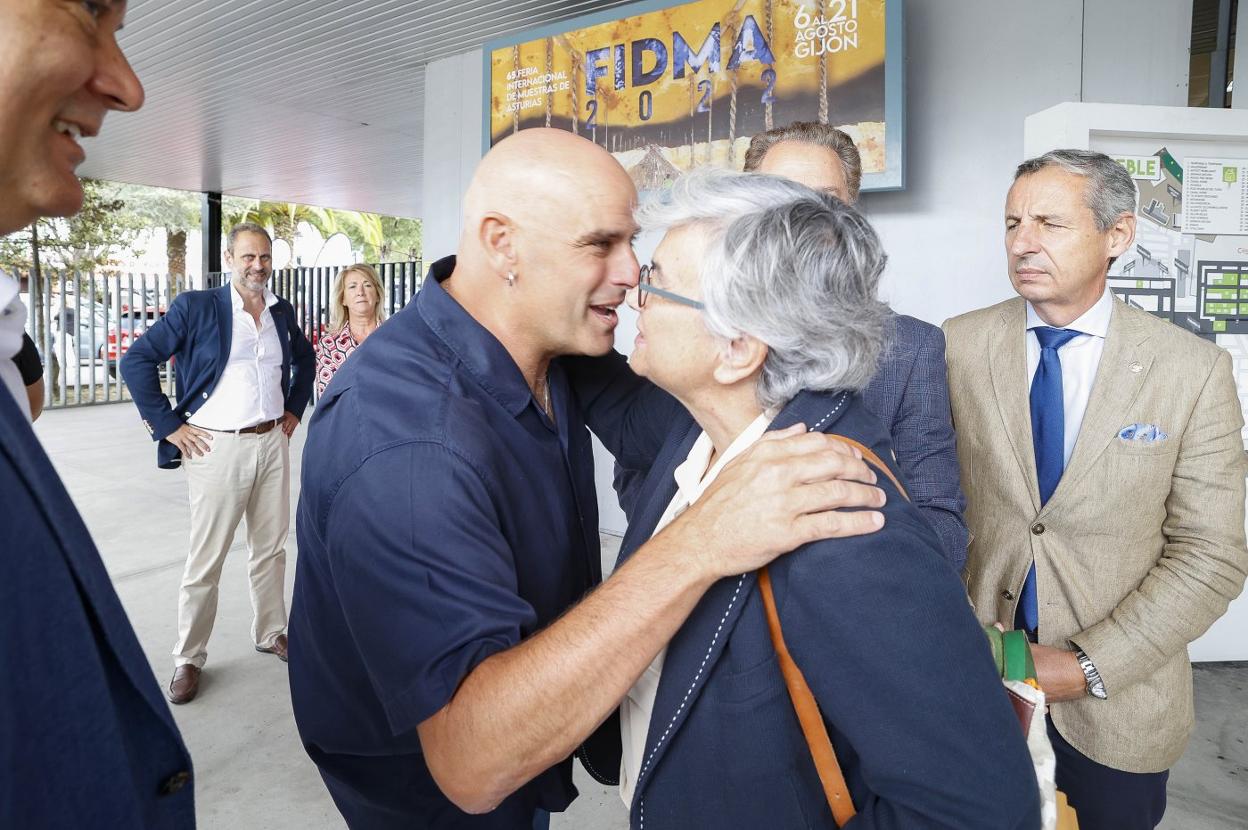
293,100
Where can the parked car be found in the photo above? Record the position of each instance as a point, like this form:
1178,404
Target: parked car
98,337
122,335
72,330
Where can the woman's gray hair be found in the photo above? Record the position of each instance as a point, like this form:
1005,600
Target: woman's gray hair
1110,191
797,269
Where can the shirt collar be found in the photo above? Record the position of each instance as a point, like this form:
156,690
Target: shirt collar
236,299
1094,321
478,351
693,477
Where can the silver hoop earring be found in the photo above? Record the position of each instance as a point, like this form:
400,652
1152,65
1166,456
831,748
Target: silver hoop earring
511,279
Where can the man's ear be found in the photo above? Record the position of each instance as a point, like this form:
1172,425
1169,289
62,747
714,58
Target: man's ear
497,236
741,358
1121,234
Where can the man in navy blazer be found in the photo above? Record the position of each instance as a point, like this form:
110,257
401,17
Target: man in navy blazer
910,392
86,738
244,376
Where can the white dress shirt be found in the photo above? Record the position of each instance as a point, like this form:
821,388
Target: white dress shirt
1080,359
250,389
12,324
692,479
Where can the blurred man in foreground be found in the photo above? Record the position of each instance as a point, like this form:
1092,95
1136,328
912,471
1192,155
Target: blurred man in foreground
87,738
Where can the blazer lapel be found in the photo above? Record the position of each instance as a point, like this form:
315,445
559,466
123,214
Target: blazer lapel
283,337
283,330
1124,366
691,657
1007,363
225,329
697,647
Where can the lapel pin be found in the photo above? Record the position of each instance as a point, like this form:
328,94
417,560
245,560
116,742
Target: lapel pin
1136,367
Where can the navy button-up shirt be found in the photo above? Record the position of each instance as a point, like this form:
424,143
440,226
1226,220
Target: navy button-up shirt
443,518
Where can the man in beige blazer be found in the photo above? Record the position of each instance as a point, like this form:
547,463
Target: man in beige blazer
1101,456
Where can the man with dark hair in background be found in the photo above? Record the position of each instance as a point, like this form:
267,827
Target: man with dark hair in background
86,737
244,377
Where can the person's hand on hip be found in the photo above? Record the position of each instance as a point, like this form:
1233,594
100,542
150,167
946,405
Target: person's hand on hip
192,441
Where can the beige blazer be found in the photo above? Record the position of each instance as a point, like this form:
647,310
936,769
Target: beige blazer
1141,546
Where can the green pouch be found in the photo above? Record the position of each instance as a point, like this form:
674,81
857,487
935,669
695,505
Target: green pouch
1011,652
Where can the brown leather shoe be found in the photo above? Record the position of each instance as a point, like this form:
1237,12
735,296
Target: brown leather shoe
278,648
185,684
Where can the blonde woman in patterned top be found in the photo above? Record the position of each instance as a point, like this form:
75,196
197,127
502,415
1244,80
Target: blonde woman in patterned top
354,314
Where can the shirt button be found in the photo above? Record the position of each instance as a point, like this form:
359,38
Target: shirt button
205,396
186,414
175,783
1037,528
1007,595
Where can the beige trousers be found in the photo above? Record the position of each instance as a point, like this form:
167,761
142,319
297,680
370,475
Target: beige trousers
242,477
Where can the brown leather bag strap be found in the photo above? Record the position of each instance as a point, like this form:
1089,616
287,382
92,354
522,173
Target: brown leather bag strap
874,460
813,727
808,715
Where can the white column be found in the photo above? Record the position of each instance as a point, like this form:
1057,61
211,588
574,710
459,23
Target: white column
454,102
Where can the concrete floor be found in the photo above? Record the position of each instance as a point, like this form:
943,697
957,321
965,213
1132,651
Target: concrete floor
251,772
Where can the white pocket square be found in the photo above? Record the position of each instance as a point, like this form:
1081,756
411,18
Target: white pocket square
1142,434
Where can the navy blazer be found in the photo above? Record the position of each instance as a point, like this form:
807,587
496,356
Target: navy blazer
87,738
197,333
880,626
910,394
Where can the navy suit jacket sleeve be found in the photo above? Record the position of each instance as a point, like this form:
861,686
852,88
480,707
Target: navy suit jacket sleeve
902,673
140,368
302,367
87,738
629,414
926,449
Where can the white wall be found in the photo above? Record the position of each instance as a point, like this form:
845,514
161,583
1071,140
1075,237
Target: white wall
1153,66
974,72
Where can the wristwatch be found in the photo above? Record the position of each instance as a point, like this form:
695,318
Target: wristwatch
1096,686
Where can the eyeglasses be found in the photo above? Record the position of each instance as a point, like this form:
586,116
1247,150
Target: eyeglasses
645,287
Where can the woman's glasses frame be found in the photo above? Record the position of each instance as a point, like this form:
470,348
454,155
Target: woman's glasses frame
645,286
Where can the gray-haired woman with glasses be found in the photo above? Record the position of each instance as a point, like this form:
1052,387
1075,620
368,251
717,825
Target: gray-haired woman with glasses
759,312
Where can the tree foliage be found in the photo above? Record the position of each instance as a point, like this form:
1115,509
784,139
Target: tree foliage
103,233
95,237
177,211
377,238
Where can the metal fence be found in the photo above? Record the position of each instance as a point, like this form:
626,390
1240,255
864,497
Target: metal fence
309,289
83,324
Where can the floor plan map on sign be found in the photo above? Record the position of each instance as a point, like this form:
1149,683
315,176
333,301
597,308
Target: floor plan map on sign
1198,281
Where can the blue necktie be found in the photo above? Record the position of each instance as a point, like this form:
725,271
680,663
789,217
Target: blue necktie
1048,439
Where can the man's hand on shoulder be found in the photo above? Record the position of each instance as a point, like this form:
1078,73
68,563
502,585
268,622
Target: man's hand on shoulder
791,488
191,441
